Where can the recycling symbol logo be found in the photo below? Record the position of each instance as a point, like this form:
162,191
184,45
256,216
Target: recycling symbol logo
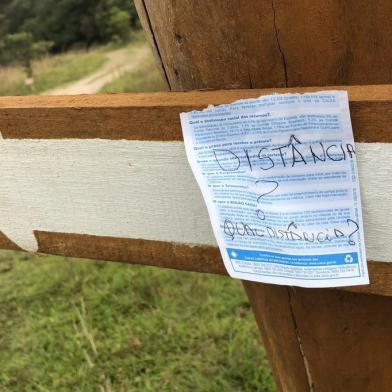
348,259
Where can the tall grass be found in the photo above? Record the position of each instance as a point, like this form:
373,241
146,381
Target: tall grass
50,72
145,79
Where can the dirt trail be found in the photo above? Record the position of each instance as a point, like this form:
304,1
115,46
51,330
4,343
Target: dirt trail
118,62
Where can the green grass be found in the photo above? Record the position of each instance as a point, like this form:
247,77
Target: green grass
73,325
137,38
145,79
51,72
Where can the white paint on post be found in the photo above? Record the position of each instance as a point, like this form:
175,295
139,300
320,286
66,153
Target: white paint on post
126,189
141,189
375,169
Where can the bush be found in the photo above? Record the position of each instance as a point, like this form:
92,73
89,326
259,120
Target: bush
66,23
21,48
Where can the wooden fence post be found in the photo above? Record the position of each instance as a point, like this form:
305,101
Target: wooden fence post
321,339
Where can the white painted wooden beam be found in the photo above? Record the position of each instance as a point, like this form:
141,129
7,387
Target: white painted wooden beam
107,177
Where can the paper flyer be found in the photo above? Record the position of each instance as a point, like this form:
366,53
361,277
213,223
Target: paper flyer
279,178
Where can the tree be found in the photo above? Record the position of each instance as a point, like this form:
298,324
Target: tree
23,50
66,23
113,23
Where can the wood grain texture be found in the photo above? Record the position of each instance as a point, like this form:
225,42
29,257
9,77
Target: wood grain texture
345,338
206,44
285,353
155,116
148,33
128,250
325,340
261,43
335,42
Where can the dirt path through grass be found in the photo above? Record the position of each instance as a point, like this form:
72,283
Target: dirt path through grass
119,61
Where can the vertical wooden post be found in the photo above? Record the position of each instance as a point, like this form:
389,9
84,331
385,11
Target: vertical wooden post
320,339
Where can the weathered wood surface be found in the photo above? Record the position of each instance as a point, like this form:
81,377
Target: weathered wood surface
64,132
350,351
325,340
155,116
280,335
264,43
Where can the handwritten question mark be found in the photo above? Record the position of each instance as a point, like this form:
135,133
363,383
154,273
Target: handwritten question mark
350,240
260,213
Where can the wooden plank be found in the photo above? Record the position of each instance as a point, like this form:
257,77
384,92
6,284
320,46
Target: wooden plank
59,143
130,250
155,116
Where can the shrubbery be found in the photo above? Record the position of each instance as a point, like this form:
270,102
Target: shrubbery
29,26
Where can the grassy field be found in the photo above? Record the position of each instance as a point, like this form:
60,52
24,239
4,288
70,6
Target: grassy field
73,325
145,79
50,72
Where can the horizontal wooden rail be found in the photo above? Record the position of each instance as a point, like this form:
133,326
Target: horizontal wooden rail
42,142
155,116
